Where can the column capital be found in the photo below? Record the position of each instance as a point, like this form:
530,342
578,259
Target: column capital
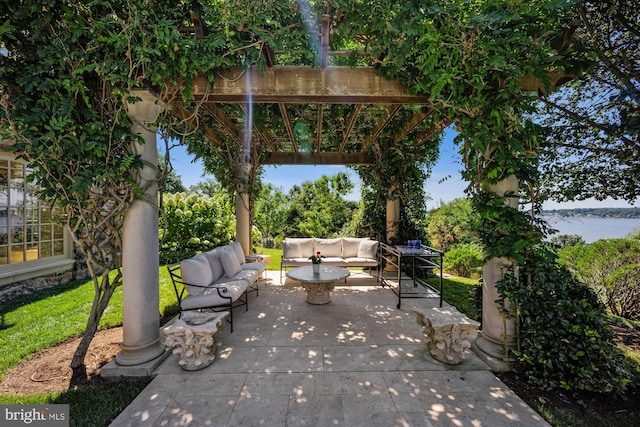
146,110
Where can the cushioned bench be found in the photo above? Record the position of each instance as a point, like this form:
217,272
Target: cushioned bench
217,280
339,252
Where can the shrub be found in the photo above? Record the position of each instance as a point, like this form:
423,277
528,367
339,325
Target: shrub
565,340
610,267
192,223
464,260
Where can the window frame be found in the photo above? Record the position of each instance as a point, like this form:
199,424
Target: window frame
12,272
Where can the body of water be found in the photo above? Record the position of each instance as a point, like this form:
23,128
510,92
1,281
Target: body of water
592,229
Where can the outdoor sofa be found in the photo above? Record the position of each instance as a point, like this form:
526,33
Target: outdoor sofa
217,280
339,252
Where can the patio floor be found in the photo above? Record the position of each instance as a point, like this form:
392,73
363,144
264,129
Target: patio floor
357,361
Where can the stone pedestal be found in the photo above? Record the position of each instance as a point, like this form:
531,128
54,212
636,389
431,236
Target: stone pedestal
194,338
318,293
447,337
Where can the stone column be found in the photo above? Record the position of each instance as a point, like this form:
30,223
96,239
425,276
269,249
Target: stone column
243,226
392,220
498,334
393,215
140,247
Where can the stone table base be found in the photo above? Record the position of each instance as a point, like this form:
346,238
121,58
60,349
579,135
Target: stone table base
194,338
447,337
318,293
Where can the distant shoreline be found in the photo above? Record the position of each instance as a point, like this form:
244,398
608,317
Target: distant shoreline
593,213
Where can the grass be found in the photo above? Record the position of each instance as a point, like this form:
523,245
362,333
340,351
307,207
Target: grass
30,324
92,406
459,292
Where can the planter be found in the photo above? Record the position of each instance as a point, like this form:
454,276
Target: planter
316,268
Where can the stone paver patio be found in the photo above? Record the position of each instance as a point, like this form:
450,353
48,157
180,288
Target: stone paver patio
357,361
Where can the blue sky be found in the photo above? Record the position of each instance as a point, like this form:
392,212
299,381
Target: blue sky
444,185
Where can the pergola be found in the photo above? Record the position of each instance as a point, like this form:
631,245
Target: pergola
359,106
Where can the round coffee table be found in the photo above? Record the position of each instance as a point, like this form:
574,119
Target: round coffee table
318,285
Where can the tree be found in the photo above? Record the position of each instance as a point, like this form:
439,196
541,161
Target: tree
318,209
271,211
568,240
66,73
172,182
592,124
610,267
452,223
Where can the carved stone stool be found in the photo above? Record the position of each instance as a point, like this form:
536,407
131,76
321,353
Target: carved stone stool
194,338
447,335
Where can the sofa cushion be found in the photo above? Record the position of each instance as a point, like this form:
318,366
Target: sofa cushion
328,247
350,247
332,260
210,297
368,249
297,247
213,257
249,275
258,266
196,271
238,251
230,263
360,262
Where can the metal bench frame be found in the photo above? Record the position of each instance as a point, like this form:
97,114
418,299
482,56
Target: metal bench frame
243,299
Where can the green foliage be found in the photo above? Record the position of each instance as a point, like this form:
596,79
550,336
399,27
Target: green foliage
568,240
611,268
398,174
271,212
318,209
592,124
452,223
565,340
192,223
464,260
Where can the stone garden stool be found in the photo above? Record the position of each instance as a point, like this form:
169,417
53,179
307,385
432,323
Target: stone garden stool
447,335
194,338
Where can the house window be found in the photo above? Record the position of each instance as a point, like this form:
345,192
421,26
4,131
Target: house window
27,228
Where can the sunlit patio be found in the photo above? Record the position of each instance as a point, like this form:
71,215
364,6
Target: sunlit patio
357,361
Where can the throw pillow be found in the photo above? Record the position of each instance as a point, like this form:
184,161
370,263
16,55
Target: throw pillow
368,249
238,251
196,271
230,263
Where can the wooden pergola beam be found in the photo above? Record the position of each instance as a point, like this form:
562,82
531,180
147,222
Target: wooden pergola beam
352,121
415,121
288,126
330,85
299,158
303,85
384,120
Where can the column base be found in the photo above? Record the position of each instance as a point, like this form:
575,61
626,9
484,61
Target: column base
114,371
131,355
492,352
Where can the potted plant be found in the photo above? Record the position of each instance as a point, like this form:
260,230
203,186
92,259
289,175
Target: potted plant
316,260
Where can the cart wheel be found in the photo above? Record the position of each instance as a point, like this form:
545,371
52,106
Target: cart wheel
398,306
